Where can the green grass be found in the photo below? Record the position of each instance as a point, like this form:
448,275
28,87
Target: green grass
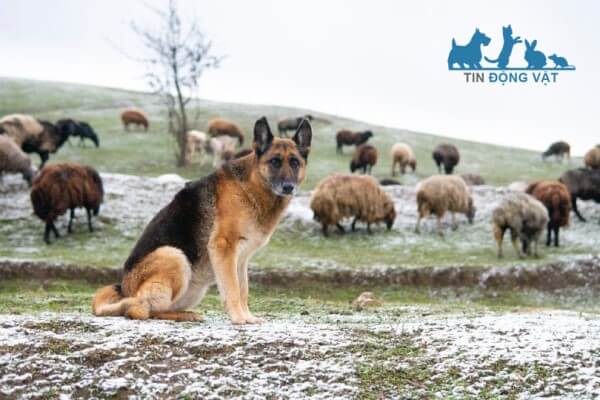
313,301
153,153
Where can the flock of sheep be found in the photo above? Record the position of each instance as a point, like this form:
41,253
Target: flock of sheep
543,204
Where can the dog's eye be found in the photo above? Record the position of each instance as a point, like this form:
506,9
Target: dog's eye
275,162
294,163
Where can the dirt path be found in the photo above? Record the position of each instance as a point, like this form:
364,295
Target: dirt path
493,355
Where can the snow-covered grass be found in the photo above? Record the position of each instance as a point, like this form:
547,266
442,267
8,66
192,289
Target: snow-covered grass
131,202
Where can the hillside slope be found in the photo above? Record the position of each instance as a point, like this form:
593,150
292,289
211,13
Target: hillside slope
152,153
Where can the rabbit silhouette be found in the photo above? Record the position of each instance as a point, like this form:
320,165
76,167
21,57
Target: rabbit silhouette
535,58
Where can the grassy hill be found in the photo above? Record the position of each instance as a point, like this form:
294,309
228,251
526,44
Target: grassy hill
152,153
293,246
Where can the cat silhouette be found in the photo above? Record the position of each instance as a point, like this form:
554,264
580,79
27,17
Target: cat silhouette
535,58
507,47
470,54
559,61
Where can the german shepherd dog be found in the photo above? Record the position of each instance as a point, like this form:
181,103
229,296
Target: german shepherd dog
208,233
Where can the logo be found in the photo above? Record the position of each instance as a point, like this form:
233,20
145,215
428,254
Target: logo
534,67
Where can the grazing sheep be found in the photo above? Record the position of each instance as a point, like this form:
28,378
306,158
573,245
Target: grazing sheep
32,135
60,187
196,143
584,184
473,179
558,149
525,217
13,159
447,155
243,153
80,129
291,124
221,148
403,155
349,138
592,158
222,127
342,196
439,194
364,157
134,116
556,198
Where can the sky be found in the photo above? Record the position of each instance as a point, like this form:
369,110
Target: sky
380,61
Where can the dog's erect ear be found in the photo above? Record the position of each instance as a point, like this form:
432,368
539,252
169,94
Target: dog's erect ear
303,137
263,138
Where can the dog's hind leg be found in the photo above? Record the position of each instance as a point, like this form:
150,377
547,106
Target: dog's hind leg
158,281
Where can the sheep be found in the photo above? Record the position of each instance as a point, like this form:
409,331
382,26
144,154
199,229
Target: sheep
79,129
558,149
592,158
447,155
196,142
342,196
403,155
349,138
439,194
63,186
364,157
13,159
33,135
222,127
584,184
556,198
473,179
291,124
134,116
221,148
525,217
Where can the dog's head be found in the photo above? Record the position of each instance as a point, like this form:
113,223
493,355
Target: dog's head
282,162
482,37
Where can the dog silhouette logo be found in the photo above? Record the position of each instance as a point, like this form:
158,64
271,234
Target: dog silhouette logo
470,56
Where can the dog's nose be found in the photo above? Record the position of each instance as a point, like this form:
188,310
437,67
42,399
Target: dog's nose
287,188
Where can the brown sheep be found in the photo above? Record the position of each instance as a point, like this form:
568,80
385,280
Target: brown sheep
349,138
403,155
342,196
592,158
439,194
558,149
223,127
134,116
556,198
13,159
473,179
33,135
291,124
525,217
584,184
447,155
60,187
364,157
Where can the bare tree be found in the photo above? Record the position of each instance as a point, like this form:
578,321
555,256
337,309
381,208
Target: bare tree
177,57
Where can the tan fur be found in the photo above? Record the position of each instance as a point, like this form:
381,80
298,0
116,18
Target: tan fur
439,194
592,158
13,159
342,196
402,155
21,128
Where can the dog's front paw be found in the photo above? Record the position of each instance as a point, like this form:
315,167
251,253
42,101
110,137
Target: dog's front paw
251,319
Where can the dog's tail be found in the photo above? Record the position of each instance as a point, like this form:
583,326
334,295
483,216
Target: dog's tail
491,61
108,301
453,43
